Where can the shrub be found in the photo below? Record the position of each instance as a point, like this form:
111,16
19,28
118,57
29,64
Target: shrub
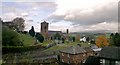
32,32
18,49
10,37
39,37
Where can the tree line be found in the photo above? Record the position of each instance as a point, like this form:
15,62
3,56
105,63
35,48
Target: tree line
115,39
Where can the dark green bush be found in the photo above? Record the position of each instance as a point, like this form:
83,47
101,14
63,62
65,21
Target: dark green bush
18,49
10,37
39,37
32,32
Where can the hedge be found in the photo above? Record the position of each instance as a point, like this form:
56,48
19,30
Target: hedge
18,49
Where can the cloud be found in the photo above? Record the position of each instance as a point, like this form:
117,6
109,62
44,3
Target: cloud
104,27
25,14
100,13
87,16
31,12
59,28
98,28
9,16
28,0
38,5
26,9
43,4
79,15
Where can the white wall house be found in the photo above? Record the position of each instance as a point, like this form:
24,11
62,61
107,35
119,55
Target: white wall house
83,39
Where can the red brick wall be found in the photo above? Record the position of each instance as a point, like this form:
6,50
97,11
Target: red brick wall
90,54
77,58
67,58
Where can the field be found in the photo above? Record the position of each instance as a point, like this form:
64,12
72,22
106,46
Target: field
27,39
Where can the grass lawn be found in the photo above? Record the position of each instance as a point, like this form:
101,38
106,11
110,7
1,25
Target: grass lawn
72,43
85,44
65,45
27,39
45,43
76,43
61,46
54,48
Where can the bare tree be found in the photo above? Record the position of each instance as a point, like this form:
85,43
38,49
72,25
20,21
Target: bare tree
19,23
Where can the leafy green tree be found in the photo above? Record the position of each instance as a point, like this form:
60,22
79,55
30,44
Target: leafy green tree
87,39
63,40
57,36
92,41
116,39
1,21
32,32
39,37
111,35
73,38
111,39
10,37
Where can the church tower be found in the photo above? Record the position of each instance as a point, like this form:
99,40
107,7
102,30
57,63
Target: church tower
44,29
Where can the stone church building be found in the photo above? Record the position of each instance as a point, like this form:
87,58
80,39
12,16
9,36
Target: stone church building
48,34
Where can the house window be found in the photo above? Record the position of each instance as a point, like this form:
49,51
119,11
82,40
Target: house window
117,62
102,61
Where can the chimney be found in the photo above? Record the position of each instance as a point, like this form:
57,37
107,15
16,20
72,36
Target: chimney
67,31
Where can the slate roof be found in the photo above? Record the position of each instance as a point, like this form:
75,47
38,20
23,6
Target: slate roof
88,49
74,50
95,48
110,53
54,32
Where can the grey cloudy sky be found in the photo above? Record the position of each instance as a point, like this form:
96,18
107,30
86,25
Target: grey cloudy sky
75,15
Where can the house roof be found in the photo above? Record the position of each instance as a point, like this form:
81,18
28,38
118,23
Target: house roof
95,48
88,49
54,32
110,53
74,50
